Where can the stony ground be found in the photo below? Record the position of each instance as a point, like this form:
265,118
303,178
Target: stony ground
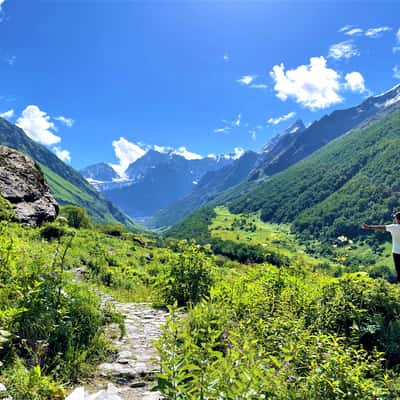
134,368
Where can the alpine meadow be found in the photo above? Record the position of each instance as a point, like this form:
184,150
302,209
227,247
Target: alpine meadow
199,200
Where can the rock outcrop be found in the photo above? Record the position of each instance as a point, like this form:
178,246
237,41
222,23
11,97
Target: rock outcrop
22,183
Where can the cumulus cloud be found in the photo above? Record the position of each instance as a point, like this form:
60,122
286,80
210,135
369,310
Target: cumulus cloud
38,125
396,72
377,32
343,50
314,86
63,155
127,153
246,79
7,114
1,5
278,120
66,121
355,82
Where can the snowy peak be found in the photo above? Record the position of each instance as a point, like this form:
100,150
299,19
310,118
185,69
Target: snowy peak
297,127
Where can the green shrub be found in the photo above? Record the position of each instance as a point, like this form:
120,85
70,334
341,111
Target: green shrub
52,231
186,276
76,216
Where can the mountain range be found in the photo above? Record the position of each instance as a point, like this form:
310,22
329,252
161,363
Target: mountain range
161,189
66,184
350,180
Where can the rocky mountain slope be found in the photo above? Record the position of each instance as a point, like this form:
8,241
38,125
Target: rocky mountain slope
208,188
294,147
154,181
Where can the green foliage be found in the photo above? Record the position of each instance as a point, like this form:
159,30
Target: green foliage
113,229
76,216
352,180
195,226
186,277
6,210
30,384
52,231
259,337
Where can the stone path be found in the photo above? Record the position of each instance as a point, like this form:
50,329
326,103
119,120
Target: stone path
133,370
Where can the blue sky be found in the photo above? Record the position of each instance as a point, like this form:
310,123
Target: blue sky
207,76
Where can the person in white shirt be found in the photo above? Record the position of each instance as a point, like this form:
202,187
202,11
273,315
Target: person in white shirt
394,229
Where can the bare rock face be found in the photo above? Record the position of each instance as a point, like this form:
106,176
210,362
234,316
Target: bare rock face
22,183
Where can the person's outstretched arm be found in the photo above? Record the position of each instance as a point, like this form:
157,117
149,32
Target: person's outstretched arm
374,227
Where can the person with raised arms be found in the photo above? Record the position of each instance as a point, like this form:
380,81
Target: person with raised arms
394,229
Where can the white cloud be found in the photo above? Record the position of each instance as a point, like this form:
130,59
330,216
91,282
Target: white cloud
238,120
1,4
278,120
346,28
258,86
226,57
66,121
377,32
38,126
63,155
314,85
398,36
396,72
354,32
7,114
184,152
396,49
345,50
355,82
246,79
253,134
238,153
10,60
127,153
229,125
225,129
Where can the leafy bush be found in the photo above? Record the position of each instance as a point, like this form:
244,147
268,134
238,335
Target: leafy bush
52,231
76,216
186,276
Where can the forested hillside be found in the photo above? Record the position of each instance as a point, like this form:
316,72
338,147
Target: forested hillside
349,181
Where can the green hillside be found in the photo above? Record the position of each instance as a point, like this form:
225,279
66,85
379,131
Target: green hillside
352,180
67,185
